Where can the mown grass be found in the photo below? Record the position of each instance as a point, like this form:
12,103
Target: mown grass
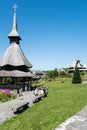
63,101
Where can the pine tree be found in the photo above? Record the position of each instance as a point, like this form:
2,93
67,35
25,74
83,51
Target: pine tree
76,76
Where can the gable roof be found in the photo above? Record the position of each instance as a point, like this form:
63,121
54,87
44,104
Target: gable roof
78,63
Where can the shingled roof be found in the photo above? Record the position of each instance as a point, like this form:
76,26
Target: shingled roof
14,31
82,67
15,73
14,56
78,63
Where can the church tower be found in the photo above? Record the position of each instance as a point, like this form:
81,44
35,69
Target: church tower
13,35
14,58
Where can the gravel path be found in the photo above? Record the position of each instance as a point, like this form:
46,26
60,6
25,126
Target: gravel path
76,122
6,108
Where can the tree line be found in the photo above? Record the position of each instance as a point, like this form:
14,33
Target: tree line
55,73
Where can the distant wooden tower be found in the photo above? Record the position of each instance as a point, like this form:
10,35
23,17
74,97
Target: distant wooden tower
14,63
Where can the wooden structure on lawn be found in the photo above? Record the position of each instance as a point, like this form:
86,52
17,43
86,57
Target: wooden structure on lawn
82,67
14,63
38,73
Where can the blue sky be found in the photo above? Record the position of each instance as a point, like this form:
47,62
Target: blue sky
53,32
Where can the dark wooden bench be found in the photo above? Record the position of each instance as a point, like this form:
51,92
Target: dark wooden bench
20,107
37,99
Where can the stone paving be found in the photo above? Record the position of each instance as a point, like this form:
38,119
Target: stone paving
6,108
76,122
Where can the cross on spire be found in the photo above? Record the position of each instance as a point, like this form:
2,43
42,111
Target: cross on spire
14,35
15,7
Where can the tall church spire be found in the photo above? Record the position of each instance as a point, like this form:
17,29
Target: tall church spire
14,35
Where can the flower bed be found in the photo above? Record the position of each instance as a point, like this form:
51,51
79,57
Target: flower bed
6,95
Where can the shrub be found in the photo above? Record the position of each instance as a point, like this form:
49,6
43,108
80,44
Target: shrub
76,76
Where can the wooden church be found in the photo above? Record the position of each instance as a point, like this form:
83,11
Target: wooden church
14,63
82,67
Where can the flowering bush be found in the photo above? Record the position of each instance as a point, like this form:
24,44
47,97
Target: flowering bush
7,91
5,94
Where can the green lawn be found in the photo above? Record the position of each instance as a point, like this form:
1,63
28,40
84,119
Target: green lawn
63,101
